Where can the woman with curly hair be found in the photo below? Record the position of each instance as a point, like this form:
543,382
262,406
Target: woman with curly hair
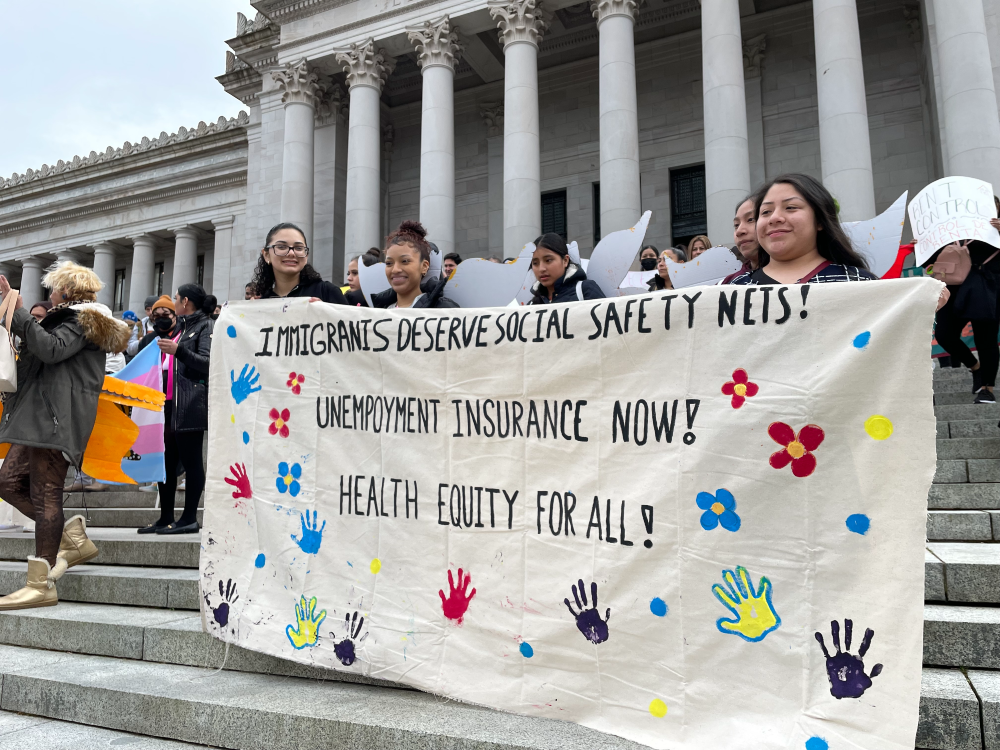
407,266
283,269
48,420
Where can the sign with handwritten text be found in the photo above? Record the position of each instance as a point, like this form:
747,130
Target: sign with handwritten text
949,210
690,518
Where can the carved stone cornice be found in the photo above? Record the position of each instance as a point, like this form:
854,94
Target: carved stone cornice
916,32
365,65
606,8
388,138
753,55
492,113
436,43
519,20
332,106
299,84
245,26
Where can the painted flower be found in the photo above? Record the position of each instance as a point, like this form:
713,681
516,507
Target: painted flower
295,381
719,508
797,449
279,422
740,388
288,478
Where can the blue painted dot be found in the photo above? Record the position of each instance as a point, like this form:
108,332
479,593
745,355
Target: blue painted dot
259,562
817,743
246,438
859,523
231,331
526,650
860,342
658,607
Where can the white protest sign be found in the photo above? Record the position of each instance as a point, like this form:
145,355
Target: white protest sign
949,210
481,283
613,256
711,267
628,513
877,240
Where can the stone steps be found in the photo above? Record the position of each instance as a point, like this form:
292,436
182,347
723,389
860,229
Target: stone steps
959,636
963,525
956,412
118,547
20,732
130,518
964,496
114,499
968,448
958,711
962,573
956,471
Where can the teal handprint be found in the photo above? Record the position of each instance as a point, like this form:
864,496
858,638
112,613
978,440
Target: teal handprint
752,609
243,386
312,536
307,622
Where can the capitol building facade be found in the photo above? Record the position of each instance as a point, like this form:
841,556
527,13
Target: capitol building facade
494,120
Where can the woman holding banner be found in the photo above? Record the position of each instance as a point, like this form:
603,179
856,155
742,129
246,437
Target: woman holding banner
407,263
558,279
283,269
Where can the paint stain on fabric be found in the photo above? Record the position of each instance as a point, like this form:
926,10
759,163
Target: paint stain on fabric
232,418
878,427
658,708
859,523
817,743
459,597
526,650
376,566
246,438
231,331
860,342
658,607
259,562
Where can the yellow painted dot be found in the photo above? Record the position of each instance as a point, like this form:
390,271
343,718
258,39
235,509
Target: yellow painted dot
740,389
878,427
796,449
718,508
376,565
288,480
232,418
658,708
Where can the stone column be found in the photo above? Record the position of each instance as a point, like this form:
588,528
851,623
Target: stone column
71,255
492,113
141,284
727,153
619,119
366,68
522,25
844,144
437,49
185,256
968,98
753,57
31,280
223,256
301,90
104,267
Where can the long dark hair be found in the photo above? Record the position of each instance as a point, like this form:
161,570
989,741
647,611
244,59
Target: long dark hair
554,242
832,241
201,299
263,275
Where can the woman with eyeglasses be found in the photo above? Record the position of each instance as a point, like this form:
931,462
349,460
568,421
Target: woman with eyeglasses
283,269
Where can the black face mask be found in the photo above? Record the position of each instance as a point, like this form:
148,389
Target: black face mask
214,316
648,264
163,326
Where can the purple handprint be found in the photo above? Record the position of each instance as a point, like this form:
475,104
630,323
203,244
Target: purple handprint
846,671
589,621
345,649
229,596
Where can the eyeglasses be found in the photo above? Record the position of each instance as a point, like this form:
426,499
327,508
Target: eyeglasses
281,250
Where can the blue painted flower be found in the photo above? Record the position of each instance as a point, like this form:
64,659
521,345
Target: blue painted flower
719,508
288,478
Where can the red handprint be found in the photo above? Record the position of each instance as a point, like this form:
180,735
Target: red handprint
457,603
241,483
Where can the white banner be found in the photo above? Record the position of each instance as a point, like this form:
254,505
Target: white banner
949,210
694,519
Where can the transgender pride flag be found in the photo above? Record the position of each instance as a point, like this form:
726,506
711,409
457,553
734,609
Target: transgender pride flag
144,463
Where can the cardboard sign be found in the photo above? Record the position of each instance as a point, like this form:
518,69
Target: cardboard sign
877,240
711,267
949,210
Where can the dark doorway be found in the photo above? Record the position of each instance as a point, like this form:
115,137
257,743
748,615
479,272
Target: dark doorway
687,203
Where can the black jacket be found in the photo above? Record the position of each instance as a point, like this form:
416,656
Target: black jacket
565,288
433,295
320,289
657,284
190,394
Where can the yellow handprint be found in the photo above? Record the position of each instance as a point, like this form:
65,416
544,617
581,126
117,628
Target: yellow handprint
308,621
754,613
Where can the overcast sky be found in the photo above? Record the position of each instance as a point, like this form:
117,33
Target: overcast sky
82,76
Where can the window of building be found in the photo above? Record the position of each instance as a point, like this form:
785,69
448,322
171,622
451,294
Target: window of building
119,290
597,213
201,270
687,192
554,213
158,275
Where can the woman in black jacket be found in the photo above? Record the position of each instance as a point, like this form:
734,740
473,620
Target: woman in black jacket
407,262
183,331
558,279
283,269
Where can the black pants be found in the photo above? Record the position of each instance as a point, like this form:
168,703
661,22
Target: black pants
183,447
32,481
948,331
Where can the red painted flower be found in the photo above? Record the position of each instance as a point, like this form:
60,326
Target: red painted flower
798,448
279,422
295,382
740,388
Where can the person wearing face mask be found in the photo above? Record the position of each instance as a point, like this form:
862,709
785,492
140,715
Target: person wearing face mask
407,262
558,279
662,279
283,269
745,236
649,256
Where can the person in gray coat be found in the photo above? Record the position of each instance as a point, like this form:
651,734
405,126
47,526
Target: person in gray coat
48,420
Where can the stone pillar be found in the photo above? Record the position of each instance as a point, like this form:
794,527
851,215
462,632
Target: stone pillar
968,98
366,68
437,49
753,56
31,280
844,143
141,284
492,113
522,25
223,257
104,267
727,154
71,255
301,90
185,257
621,203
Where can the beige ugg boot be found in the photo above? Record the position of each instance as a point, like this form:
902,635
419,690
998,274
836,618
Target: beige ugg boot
76,547
40,590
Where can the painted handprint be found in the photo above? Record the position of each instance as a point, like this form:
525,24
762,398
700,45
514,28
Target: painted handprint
307,622
245,384
241,481
229,596
846,671
311,536
589,621
455,606
753,612
345,649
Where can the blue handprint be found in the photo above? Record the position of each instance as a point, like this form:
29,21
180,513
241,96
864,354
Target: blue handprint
243,386
311,536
